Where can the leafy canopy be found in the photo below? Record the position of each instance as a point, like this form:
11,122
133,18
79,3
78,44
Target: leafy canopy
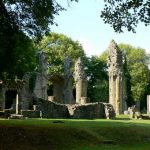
33,17
138,68
127,14
97,79
57,47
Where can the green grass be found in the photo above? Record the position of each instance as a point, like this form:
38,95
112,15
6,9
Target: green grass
97,134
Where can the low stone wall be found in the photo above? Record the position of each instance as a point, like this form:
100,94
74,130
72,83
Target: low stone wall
30,113
91,111
2,114
52,110
87,111
6,113
48,109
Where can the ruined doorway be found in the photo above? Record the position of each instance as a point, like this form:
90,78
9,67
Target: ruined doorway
10,98
50,89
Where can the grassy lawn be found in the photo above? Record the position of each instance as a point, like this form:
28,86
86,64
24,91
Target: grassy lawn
71,134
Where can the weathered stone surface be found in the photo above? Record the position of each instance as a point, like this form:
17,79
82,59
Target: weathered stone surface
30,113
52,99
16,116
81,81
116,78
52,110
26,94
40,89
87,111
67,88
58,85
109,111
84,100
42,63
148,104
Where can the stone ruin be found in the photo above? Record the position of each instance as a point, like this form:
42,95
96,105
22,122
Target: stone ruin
81,82
116,78
30,99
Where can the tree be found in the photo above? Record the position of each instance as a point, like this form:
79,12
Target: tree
58,46
17,55
128,85
33,17
136,59
126,13
97,79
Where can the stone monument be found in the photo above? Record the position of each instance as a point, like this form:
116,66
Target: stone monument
81,81
116,83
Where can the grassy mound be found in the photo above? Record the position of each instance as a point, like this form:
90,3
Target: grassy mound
51,134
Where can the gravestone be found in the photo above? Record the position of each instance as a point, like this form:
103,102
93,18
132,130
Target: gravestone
80,80
116,78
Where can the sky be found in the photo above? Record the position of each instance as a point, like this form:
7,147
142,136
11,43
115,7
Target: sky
82,22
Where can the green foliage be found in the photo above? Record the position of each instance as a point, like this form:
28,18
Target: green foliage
32,17
126,13
136,59
97,79
58,46
129,95
17,55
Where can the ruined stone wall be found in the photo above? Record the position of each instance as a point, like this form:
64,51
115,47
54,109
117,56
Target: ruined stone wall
87,111
40,89
30,113
47,109
52,110
26,93
91,111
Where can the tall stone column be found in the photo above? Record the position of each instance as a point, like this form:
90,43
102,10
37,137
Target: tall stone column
67,88
116,83
17,104
81,81
148,104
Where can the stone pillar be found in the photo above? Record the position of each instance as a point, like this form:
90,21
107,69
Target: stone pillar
148,104
116,83
84,100
81,81
117,96
67,88
17,104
